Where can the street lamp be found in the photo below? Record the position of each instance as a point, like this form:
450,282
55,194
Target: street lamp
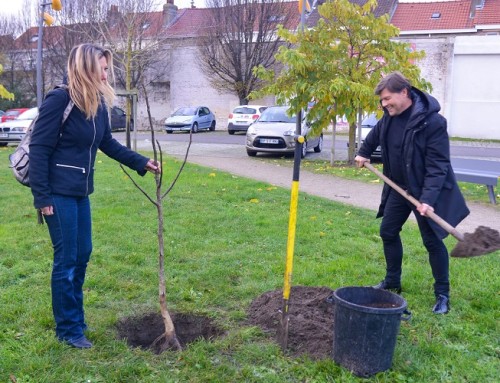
44,16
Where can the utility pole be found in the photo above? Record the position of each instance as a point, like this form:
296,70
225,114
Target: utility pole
44,16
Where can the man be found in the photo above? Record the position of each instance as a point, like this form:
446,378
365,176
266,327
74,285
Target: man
416,156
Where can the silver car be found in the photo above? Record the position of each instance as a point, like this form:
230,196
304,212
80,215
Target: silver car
194,118
274,132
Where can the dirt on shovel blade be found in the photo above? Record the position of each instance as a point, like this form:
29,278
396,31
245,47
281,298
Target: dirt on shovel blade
483,241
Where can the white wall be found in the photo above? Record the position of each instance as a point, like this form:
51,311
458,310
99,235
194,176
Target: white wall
475,77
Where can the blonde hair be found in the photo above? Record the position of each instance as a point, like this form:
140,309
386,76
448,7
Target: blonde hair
84,78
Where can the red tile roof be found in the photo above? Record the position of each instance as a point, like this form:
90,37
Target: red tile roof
488,14
419,16
190,22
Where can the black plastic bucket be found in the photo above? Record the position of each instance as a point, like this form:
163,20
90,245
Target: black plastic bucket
366,325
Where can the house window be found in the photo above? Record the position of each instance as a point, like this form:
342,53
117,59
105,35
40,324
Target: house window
34,39
436,15
274,19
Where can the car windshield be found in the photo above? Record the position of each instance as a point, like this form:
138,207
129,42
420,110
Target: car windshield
245,110
276,114
185,112
12,113
30,114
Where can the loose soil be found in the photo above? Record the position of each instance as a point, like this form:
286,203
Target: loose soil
483,241
310,328
142,331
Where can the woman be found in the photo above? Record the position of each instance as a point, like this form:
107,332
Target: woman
61,177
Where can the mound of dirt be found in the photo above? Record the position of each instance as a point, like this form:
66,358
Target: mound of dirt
142,331
310,329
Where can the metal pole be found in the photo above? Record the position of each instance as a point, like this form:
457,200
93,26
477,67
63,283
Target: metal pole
282,333
39,90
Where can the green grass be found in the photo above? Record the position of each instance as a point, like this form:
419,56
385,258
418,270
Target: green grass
225,242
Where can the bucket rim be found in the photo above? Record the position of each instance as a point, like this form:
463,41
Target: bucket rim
368,309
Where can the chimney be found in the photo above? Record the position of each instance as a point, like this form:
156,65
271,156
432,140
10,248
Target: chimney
113,15
169,12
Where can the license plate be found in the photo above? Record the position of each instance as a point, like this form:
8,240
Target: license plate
269,141
4,135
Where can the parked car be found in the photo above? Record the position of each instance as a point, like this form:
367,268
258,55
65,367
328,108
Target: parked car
243,116
1,113
366,125
12,131
11,114
192,118
274,132
119,120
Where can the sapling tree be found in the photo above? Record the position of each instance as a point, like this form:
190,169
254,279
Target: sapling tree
168,340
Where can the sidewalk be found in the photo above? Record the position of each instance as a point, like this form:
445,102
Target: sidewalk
365,195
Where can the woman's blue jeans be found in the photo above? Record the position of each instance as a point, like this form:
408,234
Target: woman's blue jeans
396,212
70,230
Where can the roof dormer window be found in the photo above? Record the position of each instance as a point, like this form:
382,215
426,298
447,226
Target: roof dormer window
34,39
436,15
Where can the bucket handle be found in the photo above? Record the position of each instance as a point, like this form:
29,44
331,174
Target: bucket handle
406,315
330,299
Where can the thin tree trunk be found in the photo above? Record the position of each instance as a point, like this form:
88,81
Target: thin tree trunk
171,341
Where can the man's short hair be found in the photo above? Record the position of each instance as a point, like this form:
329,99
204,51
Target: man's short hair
394,82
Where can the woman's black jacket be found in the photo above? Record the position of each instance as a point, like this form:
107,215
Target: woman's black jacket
62,158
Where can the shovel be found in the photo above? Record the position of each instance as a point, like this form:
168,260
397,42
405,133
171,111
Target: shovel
483,241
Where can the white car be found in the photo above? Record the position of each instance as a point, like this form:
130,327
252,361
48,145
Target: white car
274,132
243,116
13,131
366,126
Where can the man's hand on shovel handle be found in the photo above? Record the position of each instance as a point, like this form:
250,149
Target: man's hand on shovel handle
423,208
360,161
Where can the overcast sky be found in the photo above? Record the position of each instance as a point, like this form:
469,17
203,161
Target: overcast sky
13,6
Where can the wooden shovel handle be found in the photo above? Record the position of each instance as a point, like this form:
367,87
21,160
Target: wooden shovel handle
441,222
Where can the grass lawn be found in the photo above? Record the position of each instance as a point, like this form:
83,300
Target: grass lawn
225,242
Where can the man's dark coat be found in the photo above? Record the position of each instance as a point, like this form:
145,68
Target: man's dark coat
426,154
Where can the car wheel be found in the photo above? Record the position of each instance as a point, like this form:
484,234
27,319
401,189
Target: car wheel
304,150
318,148
194,129
251,153
169,131
212,126
230,132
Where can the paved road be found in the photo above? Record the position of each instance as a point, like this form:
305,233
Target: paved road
232,158
479,150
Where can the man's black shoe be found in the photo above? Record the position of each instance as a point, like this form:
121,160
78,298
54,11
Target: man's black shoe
442,305
385,286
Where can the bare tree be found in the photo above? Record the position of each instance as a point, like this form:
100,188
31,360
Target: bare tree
240,35
18,56
133,30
